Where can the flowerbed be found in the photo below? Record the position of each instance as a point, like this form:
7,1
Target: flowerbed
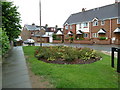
67,55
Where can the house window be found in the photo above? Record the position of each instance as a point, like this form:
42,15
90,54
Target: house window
85,24
95,35
118,21
95,23
102,22
80,25
70,26
85,35
66,27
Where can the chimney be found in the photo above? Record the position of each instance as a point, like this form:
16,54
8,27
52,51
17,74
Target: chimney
33,24
117,1
83,9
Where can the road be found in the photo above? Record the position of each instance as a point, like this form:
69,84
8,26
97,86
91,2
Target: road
96,47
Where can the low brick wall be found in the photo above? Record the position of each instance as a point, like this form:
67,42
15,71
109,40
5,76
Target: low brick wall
57,41
103,42
117,41
44,39
66,41
82,42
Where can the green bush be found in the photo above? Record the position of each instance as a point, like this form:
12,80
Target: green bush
57,39
71,38
87,53
54,36
48,53
66,53
102,38
80,39
4,42
70,54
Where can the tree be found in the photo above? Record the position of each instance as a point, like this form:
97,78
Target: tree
10,20
56,26
46,25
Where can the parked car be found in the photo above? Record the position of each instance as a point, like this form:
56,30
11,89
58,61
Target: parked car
18,41
29,41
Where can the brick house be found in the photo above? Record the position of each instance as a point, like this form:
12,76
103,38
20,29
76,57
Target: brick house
95,26
59,37
33,32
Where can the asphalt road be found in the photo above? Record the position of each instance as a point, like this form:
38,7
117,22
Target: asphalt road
96,47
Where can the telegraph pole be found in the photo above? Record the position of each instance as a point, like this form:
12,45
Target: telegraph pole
40,22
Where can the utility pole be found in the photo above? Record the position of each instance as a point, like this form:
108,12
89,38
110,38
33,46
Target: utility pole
40,22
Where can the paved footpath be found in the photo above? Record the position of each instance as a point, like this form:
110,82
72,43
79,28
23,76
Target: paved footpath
109,53
15,72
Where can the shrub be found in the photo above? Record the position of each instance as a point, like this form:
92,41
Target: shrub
80,39
87,53
102,38
4,42
70,54
57,39
66,53
54,36
71,38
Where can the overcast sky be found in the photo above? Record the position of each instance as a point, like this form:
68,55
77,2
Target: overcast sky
54,12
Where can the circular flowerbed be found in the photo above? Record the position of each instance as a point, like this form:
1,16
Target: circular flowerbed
67,55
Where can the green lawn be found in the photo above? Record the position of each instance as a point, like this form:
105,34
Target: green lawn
95,75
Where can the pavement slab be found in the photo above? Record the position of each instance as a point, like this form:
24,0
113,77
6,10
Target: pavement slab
14,71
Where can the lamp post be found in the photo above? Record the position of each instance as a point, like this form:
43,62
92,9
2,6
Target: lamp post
42,31
40,22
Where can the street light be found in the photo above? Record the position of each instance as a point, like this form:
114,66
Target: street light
40,23
42,31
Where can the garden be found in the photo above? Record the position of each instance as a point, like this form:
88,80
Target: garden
67,55
96,74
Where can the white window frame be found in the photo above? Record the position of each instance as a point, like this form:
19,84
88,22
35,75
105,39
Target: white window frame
86,24
85,35
102,22
95,23
66,27
71,27
80,25
118,21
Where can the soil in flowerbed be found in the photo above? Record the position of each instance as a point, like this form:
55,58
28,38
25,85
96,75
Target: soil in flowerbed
77,61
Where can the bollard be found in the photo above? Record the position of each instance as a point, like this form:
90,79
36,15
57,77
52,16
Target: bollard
112,58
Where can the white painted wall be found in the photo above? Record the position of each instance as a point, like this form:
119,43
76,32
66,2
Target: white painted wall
82,28
50,39
48,33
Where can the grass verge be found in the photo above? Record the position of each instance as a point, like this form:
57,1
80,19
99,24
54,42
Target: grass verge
95,75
